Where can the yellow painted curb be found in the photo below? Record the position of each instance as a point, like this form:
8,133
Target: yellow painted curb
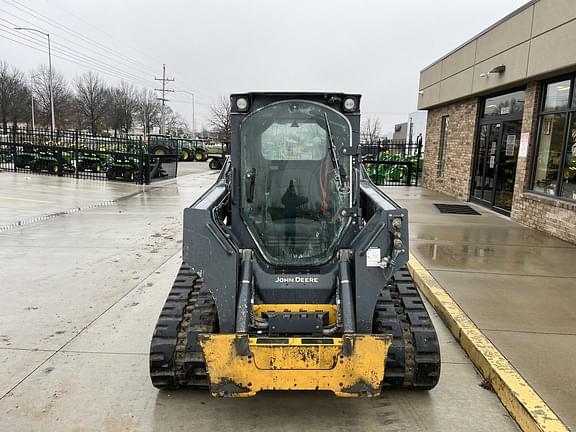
521,401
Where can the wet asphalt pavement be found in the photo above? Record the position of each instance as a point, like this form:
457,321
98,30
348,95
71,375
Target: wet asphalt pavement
81,293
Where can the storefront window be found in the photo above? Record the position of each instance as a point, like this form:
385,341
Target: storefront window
555,163
557,95
568,184
549,153
443,143
510,103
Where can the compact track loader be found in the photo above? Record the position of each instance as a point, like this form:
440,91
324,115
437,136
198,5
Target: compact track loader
294,265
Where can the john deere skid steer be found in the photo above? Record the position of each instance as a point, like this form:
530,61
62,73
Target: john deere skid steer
294,265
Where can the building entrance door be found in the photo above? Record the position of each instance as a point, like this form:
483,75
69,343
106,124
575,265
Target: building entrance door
495,168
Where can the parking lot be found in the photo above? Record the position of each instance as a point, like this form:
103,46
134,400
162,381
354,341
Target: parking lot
82,291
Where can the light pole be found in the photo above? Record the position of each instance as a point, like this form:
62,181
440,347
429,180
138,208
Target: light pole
32,100
193,110
53,124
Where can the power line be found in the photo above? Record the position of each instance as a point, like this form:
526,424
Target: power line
61,57
120,57
99,30
23,8
115,39
19,42
64,55
76,52
83,59
87,60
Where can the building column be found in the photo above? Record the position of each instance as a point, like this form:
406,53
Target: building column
529,126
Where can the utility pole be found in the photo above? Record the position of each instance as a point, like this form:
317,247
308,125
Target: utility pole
164,90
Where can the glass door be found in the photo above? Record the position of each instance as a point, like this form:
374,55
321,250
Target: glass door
485,170
506,168
497,148
478,191
495,170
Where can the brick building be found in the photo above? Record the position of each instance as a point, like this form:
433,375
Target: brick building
501,128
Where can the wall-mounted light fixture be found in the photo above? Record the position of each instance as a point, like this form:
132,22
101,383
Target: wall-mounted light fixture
496,70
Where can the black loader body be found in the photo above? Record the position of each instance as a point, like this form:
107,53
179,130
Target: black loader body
294,265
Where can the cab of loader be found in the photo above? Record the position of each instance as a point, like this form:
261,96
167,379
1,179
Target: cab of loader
295,179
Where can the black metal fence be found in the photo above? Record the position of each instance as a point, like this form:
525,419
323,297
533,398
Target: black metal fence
129,159
393,162
81,155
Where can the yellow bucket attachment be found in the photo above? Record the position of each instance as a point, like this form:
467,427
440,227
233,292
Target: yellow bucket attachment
240,366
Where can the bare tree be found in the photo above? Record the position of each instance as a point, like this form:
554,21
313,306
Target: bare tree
176,125
148,110
14,96
371,131
63,97
92,98
122,108
219,120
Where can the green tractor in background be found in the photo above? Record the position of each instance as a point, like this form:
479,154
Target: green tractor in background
187,149
123,167
91,161
161,145
53,161
92,155
43,159
192,150
25,155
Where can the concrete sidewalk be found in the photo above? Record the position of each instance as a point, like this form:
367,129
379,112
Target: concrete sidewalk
516,284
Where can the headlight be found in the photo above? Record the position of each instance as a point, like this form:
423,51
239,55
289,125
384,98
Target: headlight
349,104
242,104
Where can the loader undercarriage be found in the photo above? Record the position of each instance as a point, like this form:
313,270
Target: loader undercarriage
177,359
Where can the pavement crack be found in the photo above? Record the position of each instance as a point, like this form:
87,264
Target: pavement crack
10,348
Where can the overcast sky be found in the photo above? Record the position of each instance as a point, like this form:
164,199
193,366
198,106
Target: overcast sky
211,47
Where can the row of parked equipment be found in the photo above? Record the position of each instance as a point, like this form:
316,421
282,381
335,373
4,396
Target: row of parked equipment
125,159
54,160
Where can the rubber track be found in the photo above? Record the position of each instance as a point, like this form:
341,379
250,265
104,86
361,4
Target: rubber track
175,356
414,357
